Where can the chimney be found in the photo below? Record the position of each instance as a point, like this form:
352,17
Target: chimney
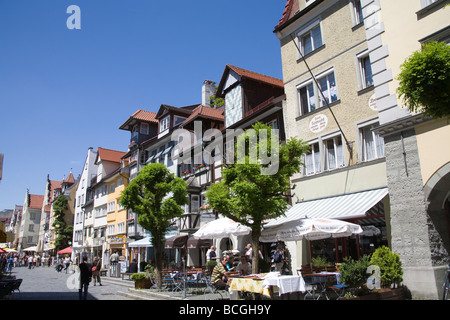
208,90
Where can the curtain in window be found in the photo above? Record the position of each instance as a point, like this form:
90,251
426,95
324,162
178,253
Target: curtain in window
369,145
317,37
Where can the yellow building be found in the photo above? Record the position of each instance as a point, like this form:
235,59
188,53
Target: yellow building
116,214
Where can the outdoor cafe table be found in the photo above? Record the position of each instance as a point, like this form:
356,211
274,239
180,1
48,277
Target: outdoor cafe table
264,284
321,281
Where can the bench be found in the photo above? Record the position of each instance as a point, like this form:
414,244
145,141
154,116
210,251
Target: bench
126,274
103,272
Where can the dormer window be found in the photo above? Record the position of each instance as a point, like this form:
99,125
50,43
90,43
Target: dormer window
145,128
164,124
177,120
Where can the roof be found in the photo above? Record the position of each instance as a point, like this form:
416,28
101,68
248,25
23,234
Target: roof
109,155
36,201
182,110
256,76
70,179
205,112
292,12
142,115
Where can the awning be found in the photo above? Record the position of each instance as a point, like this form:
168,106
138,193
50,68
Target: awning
346,206
176,241
194,243
142,243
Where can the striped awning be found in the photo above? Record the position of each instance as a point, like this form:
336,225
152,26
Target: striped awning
346,206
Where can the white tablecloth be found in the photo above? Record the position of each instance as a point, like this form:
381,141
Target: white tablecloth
285,284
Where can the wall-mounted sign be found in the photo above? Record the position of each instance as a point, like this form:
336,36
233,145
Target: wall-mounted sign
373,102
318,123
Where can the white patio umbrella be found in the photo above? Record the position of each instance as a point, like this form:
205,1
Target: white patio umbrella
33,248
219,228
310,229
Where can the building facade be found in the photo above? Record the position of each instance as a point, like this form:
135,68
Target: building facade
329,86
417,159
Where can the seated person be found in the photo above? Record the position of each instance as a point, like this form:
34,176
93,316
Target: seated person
229,266
133,267
218,277
244,267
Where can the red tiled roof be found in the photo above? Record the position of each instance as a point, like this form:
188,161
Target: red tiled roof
36,201
109,155
287,12
256,76
70,178
53,186
144,115
205,112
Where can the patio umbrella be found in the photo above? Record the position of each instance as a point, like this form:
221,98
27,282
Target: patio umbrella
66,250
310,229
33,248
220,228
2,251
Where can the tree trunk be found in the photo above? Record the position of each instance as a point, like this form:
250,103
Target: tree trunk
255,250
159,247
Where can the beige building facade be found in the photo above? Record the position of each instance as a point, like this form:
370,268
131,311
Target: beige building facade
325,57
417,156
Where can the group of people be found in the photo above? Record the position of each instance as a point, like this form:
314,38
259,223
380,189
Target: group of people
244,267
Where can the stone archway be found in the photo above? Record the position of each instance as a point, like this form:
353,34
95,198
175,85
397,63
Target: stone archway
437,195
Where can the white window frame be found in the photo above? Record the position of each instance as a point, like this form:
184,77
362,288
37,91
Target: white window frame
112,206
164,124
325,75
308,2
338,152
316,159
304,86
377,149
307,32
362,71
357,13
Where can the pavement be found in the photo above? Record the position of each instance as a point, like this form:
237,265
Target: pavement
44,283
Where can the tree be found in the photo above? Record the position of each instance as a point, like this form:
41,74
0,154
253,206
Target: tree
425,80
247,194
63,232
156,196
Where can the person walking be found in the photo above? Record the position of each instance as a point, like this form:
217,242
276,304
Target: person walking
96,267
67,263
85,278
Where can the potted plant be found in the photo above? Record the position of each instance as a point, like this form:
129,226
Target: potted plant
354,275
143,280
391,273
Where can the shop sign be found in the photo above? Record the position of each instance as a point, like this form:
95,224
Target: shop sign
373,102
116,240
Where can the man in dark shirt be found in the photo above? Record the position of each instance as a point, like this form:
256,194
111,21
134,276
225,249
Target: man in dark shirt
85,278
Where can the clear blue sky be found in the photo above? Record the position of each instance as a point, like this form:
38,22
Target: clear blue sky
63,91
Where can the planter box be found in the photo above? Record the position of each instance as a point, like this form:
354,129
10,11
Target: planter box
382,294
143,284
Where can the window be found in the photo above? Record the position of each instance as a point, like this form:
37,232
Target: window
177,120
365,70
112,187
334,156
328,86
310,40
145,128
164,124
111,229
309,94
312,160
112,206
273,123
357,12
426,3
121,227
307,98
308,2
372,144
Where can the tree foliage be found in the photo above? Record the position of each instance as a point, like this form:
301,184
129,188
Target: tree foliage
248,195
425,80
63,232
156,196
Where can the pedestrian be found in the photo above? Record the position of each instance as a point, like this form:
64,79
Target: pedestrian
212,253
67,263
218,276
30,262
96,267
85,278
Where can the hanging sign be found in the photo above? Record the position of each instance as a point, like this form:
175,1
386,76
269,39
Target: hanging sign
318,123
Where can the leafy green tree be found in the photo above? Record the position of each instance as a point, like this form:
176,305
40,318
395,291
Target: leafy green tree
63,232
156,196
425,80
247,194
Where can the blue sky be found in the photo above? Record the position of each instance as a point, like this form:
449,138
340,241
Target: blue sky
63,91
